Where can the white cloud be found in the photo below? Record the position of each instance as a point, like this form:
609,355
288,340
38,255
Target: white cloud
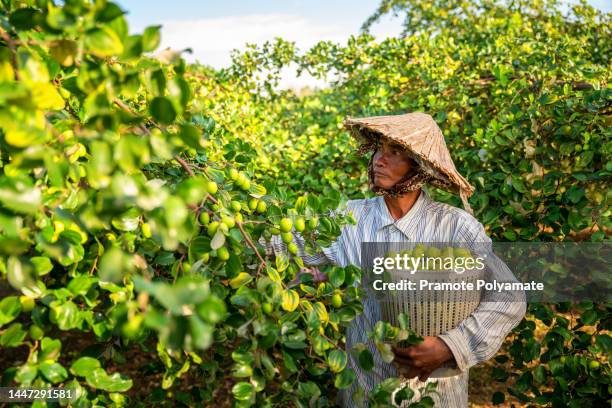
212,39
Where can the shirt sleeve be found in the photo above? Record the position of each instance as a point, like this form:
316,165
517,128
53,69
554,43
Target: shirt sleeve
480,336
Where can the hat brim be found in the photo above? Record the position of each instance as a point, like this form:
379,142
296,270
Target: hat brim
449,178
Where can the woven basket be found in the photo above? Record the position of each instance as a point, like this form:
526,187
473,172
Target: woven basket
432,312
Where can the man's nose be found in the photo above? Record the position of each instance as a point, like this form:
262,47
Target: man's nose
380,159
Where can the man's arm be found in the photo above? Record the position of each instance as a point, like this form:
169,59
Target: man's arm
479,337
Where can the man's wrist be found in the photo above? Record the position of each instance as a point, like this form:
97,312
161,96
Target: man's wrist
449,356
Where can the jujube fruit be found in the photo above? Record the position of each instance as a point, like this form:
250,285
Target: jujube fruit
212,187
286,224
300,224
223,254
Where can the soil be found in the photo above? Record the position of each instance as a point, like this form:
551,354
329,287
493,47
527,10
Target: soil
141,364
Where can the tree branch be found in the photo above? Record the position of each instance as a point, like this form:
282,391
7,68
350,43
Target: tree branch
250,243
11,45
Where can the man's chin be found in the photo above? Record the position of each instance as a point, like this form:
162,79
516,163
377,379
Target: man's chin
384,186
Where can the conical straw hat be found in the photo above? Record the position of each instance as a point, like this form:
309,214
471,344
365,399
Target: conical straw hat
419,133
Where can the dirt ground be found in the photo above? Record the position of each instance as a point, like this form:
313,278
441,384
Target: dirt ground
147,376
482,387
147,372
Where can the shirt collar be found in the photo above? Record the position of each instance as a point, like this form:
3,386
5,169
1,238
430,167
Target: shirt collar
411,216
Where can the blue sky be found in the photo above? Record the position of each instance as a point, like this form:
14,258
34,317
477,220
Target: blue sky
330,10
213,28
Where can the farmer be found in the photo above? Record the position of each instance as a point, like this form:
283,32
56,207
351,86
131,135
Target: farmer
409,151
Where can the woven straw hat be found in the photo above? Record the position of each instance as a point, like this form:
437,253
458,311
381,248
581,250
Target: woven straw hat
419,133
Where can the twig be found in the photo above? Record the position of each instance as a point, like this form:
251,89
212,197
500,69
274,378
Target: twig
184,165
211,198
71,110
146,130
249,242
93,266
11,45
129,110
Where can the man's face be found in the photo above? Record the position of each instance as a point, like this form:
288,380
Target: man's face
391,163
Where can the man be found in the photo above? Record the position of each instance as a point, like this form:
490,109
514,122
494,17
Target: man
409,151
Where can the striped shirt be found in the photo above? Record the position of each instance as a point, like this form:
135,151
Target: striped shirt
475,339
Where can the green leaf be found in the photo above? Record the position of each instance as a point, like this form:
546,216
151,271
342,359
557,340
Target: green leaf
498,398
366,360
309,390
282,262
336,277
12,336
84,366
510,235
46,97
290,300
604,341
26,374
114,265
242,279
42,264
50,349
101,162
218,240
162,110
192,190
337,360
212,310
110,12
103,42
200,334
20,198
133,49
289,362
539,374
344,379
589,317
65,315
80,284
67,250
404,324
25,18
128,221
54,372
175,211
385,351
575,194
10,307
243,391
20,273
130,152
198,246
273,274
151,38
116,382
191,135
242,370
321,311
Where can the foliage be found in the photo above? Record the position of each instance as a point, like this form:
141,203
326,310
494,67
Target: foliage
135,193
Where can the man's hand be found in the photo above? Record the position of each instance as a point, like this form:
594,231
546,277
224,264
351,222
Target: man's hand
317,275
422,359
